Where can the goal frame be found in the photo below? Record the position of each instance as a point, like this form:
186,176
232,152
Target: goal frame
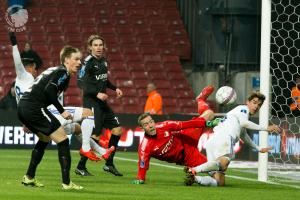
264,86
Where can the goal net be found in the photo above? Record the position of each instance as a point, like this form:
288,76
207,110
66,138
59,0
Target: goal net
284,70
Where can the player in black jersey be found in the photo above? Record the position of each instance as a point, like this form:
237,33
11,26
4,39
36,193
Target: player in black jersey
33,112
94,82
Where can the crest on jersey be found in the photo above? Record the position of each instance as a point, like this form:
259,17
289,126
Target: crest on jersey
166,134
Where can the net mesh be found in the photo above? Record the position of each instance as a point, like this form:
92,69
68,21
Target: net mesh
285,62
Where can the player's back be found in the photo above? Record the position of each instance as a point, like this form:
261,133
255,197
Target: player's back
53,75
230,125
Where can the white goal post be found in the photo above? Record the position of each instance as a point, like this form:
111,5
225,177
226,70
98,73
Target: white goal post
264,86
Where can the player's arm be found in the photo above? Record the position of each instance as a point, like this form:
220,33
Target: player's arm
143,164
113,87
198,122
19,67
55,84
246,138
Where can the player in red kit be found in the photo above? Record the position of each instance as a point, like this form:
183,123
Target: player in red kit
172,141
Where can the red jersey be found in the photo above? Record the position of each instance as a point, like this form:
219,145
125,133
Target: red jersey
174,142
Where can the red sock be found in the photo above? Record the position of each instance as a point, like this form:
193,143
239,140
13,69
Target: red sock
202,106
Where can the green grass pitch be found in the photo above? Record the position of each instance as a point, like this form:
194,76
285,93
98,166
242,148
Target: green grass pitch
164,181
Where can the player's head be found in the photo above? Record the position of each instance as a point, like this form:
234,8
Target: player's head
27,46
71,58
150,87
30,66
147,123
96,45
254,102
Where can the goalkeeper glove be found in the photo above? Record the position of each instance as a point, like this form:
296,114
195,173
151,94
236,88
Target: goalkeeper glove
13,38
213,123
138,182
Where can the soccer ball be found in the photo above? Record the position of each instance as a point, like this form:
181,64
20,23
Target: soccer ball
226,95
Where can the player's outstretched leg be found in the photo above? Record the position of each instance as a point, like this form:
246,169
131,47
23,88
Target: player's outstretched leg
201,98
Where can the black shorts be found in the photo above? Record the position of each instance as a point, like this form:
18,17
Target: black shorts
37,117
104,116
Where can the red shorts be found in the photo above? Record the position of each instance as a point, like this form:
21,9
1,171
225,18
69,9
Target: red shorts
190,139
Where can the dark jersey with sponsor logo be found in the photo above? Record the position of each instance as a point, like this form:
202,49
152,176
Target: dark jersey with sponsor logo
48,86
93,77
174,142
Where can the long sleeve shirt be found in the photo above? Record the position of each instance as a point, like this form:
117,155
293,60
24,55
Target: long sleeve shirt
166,145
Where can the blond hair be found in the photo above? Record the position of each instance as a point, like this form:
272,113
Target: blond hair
66,52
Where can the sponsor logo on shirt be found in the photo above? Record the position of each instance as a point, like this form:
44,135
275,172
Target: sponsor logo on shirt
166,134
101,77
142,164
62,79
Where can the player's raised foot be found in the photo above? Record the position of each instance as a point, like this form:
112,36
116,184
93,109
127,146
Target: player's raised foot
112,169
83,172
204,94
189,179
90,155
31,182
71,186
108,152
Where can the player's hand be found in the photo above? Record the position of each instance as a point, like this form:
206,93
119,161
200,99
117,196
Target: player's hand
66,115
102,96
25,129
274,128
119,93
13,38
138,182
213,122
265,150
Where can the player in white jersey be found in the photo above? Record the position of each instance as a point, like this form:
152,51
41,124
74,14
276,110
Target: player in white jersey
219,147
26,72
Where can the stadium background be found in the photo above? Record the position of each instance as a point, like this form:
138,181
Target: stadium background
180,45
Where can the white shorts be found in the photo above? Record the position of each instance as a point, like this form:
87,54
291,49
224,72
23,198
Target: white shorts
219,145
76,113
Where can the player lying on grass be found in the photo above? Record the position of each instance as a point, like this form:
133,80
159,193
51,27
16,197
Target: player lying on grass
173,141
219,147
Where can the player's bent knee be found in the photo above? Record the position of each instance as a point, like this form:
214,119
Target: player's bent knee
220,178
59,135
87,112
77,129
117,131
43,138
223,163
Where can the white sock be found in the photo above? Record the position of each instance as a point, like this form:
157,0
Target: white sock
206,180
208,166
98,149
87,126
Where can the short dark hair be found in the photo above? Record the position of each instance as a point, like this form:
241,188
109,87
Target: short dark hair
66,52
258,95
28,62
143,116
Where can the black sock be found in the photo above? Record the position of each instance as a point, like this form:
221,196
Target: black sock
113,141
64,157
36,157
82,162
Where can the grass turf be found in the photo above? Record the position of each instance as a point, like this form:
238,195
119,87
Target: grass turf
162,182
